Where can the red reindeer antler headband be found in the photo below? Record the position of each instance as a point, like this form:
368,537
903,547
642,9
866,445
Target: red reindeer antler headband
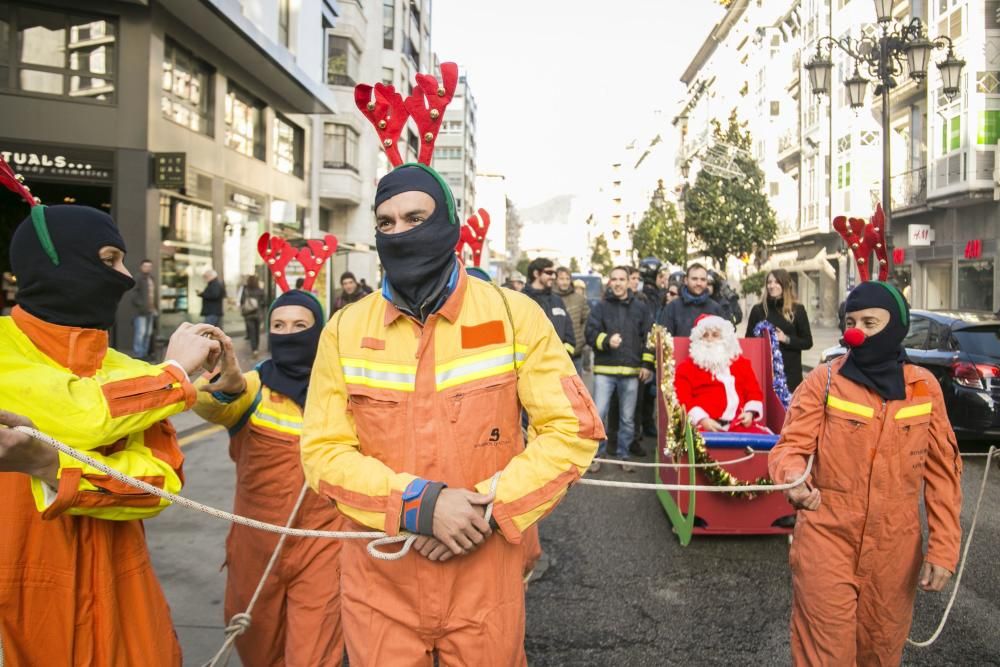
388,111
278,253
863,239
15,183
473,234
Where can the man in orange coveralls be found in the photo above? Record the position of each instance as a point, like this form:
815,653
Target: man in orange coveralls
414,405
296,620
879,434
76,584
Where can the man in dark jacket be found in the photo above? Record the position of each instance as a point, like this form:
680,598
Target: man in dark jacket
143,298
617,330
540,290
211,298
679,315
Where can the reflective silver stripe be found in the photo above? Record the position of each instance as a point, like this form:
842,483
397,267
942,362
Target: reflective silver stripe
379,376
282,424
475,367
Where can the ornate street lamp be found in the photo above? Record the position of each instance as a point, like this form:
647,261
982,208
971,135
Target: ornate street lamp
882,58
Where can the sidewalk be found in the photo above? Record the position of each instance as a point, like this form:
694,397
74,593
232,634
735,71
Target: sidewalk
823,337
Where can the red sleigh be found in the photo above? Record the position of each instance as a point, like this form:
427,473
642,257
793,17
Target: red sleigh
710,513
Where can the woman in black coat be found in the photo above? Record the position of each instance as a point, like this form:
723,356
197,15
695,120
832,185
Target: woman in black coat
779,307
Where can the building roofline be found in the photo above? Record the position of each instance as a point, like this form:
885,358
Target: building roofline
718,33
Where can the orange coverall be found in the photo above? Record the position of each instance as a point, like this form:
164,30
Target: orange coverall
296,620
855,561
390,400
76,583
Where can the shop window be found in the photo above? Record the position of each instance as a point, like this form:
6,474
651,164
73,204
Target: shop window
186,253
989,128
340,147
186,89
56,53
244,123
975,285
289,143
951,134
342,58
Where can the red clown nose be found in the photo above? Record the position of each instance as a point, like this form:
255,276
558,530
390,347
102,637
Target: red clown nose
854,337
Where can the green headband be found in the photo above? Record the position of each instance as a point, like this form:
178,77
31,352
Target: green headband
900,301
449,197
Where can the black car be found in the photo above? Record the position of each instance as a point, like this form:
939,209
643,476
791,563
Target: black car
962,350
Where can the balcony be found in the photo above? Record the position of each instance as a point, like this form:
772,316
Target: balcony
340,185
789,149
909,189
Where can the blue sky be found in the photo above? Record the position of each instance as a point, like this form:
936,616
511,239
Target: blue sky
560,86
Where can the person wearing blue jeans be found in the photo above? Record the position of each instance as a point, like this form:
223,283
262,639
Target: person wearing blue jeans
617,329
144,300
628,391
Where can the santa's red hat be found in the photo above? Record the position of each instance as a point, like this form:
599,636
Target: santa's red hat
706,321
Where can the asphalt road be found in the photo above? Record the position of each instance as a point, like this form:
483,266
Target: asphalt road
619,590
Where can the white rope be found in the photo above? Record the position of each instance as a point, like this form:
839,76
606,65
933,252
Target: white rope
639,464
377,538
965,554
241,622
747,488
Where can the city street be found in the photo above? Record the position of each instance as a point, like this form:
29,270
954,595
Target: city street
619,589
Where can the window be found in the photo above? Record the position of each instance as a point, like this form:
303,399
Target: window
244,123
775,108
975,285
916,338
289,142
844,176
989,128
388,24
54,53
387,76
451,127
448,153
340,147
284,22
341,61
951,134
186,88
774,188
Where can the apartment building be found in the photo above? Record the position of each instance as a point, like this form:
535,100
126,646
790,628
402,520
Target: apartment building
822,158
455,149
188,121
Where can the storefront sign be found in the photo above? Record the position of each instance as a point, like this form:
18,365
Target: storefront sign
169,170
974,249
244,201
65,164
920,235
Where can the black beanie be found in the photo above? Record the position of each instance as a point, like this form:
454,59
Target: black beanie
417,262
61,279
292,354
878,362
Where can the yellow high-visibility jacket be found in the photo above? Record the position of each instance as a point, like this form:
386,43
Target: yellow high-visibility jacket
391,400
75,587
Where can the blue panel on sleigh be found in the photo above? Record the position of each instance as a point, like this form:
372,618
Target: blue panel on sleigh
763,441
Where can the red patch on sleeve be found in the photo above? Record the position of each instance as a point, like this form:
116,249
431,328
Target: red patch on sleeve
480,335
373,343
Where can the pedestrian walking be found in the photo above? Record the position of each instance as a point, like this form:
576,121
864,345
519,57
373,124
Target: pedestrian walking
296,619
212,298
143,298
543,277
252,309
779,306
578,310
350,291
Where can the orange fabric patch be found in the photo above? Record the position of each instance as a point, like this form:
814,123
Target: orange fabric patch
920,389
480,335
583,407
135,395
372,343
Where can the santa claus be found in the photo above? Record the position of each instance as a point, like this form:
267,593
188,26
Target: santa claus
716,384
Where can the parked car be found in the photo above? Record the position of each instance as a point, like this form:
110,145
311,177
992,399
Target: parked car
595,287
962,350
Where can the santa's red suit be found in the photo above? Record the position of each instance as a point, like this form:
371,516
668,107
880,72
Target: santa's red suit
722,397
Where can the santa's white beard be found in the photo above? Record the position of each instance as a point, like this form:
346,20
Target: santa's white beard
716,356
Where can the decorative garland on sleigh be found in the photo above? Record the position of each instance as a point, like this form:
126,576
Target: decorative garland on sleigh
780,382
677,422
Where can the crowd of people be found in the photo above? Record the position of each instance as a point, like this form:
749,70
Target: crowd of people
444,406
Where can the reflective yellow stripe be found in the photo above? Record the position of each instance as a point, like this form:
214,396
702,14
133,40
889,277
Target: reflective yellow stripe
569,348
379,374
847,406
648,356
600,340
279,425
290,418
616,370
381,384
914,410
478,366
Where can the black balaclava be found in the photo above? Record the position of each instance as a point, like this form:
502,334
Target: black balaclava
418,262
292,355
61,278
878,362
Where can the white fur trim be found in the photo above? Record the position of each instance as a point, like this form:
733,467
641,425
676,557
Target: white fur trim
754,406
732,398
696,414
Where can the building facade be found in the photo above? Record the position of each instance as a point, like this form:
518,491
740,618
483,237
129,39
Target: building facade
822,158
455,149
188,121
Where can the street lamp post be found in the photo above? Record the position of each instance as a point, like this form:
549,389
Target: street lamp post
882,58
